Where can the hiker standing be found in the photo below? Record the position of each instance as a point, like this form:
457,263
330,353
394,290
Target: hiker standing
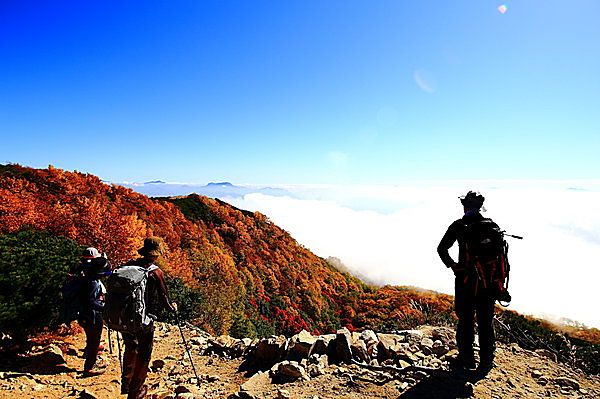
471,297
92,267
137,329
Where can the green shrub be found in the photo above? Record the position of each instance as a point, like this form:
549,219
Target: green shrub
33,266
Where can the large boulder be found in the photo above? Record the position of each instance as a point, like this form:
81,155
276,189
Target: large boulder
390,345
51,355
241,347
446,335
289,371
270,351
323,345
359,351
255,386
343,342
301,345
317,365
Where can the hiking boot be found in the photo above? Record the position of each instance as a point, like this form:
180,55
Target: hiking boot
462,364
485,367
140,394
124,386
93,372
101,362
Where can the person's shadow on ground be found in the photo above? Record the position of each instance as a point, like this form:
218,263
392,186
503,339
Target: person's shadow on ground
36,364
443,384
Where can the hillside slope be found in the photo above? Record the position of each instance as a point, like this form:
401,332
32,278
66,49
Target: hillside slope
232,271
248,276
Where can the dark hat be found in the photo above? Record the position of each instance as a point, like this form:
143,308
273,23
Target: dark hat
90,253
153,246
472,200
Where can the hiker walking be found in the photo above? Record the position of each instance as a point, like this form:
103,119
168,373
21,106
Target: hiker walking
93,266
130,310
472,294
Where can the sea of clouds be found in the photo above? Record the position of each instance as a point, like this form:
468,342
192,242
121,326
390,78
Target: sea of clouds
389,234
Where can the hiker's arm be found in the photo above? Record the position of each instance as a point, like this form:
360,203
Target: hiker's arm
445,244
163,294
94,297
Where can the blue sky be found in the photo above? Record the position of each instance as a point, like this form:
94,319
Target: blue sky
342,92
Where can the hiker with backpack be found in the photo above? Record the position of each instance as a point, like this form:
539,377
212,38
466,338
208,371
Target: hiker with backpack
130,310
91,295
480,274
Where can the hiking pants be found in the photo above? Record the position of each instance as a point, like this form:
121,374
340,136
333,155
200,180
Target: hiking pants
138,350
467,303
93,334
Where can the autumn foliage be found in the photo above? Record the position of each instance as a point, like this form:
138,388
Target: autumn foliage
248,275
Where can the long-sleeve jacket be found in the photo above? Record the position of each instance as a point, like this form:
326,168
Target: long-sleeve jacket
456,232
92,299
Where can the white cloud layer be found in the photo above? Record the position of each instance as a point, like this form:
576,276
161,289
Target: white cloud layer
390,234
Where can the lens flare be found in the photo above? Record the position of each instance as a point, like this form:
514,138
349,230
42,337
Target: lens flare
502,9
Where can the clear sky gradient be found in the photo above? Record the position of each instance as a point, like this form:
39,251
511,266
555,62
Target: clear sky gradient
337,92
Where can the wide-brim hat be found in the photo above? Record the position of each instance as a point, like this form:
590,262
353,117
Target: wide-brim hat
153,246
472,200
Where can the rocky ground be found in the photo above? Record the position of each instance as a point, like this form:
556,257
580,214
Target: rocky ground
409,364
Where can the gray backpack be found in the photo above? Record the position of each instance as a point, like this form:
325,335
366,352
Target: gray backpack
125,308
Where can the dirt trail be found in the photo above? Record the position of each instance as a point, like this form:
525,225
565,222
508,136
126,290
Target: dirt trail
519,374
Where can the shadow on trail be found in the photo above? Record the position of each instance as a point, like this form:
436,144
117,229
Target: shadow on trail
443,385
13,363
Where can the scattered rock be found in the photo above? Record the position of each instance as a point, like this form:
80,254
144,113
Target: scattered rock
368,336
163,395
289,371
567,382
547,354
51,355
283,394
536,374
181,389
85,394
543,380
444,334
157,364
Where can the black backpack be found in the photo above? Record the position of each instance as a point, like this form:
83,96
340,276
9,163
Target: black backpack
125,308
72,296
486,255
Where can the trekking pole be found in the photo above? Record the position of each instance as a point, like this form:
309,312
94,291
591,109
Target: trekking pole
109,340
119,348
512,235
186,347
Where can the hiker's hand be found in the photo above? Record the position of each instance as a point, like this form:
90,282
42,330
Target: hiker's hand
457,269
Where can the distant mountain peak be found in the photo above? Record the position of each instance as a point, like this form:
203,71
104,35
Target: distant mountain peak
155,182
220,184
